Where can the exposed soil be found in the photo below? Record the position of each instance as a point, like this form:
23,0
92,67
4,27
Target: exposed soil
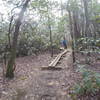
33,82
94,61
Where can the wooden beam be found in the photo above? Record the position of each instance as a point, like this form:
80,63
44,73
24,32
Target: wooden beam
56,60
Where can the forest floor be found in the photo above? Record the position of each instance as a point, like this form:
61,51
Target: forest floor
31,82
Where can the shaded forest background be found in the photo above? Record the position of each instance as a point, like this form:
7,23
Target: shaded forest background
76,19
31,27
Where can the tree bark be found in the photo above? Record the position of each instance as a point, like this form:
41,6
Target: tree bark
72,35
75,22
11,61
49,26
86,16
51,42
85,2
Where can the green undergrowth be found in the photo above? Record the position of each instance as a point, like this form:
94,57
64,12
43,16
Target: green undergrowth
89,85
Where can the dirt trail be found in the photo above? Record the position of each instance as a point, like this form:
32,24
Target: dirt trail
32,83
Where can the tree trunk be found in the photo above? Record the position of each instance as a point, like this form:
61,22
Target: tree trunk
72,35
51,40
85,2
75,22
86,15
49,26
11,61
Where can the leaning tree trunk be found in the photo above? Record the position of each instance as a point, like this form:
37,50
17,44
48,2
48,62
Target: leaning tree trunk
11,61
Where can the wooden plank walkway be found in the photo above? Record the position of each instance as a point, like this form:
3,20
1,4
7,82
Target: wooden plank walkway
56,60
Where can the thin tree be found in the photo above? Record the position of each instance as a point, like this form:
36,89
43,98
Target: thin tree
49,26
71,30
51,42
85,2
11,61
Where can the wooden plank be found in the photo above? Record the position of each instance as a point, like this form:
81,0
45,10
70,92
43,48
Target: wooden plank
60,55
56,60
51,64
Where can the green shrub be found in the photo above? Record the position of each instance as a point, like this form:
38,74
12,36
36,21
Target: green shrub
90,83
92,43
27,46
